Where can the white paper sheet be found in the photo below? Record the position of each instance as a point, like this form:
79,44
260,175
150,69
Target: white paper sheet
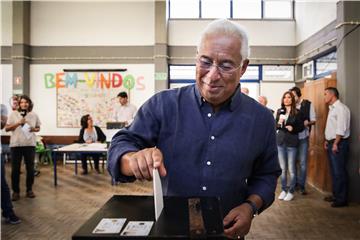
110,225
26,130
158,194
137,228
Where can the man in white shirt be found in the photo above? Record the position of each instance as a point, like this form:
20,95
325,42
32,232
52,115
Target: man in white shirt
308,112
337,132
125,112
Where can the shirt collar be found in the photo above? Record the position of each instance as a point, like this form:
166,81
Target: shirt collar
232,102
336,103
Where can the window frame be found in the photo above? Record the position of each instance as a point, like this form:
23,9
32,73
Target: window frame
231,9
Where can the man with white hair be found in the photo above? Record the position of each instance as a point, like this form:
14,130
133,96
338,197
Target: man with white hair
263,101
245,90
206,139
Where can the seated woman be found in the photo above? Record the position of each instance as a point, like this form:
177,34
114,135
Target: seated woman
90,134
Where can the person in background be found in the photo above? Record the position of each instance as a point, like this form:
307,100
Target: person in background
14,102
6,205
289,124
23,124
263,101
125,112
337,133
308,112
89,133
245,90
206,139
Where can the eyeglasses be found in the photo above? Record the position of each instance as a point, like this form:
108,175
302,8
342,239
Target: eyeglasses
224,67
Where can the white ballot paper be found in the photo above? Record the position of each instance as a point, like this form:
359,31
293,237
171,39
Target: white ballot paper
110,225
26,130
158,194
137,228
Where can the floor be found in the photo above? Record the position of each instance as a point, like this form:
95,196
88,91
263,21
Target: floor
56,213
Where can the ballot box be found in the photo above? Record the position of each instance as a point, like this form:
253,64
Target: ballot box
177,219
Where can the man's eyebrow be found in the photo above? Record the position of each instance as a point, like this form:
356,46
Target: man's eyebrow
204,56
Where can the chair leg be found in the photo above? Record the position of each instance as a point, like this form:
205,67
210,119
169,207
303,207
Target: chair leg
91,166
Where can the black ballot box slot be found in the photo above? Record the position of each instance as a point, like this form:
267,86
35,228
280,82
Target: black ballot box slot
172,223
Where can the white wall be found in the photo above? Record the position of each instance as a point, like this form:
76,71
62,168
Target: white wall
92,23
6,23
261,33
274,91
6,84
45,99
312,16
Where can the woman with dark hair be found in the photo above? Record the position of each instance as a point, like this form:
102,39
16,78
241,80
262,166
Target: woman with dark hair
23,124
289,124
90,134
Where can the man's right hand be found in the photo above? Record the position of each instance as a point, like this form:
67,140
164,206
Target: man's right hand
140,164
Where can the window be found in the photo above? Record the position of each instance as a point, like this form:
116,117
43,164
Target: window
181,75
252,74
278,9
184,8
246,8
325,65
278,73
215,8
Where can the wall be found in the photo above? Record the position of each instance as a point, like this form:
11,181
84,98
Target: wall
92,23
261,33
6,84
6,23
312,16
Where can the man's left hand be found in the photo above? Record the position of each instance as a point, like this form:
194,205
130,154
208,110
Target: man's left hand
238,221
335,148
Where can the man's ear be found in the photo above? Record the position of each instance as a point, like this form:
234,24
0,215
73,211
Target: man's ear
244,66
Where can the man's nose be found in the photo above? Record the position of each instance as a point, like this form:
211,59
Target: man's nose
214,72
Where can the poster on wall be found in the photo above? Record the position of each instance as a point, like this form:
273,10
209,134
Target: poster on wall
87,89
90,93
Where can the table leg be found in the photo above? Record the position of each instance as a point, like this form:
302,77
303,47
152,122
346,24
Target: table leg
55,174
76,164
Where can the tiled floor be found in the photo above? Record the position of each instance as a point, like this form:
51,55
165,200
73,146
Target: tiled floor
56,213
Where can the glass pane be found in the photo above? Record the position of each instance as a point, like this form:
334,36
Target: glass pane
278,73
182,72
215,8
278,9
252,73
253,88
326,64
184,9
247,8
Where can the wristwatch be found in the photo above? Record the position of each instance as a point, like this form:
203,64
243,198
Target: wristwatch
254,208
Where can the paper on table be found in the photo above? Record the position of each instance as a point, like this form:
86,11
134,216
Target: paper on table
110,225
136,228
158,194
26,130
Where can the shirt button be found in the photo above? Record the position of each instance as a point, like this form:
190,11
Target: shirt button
212,137
204,188
208,163
209,115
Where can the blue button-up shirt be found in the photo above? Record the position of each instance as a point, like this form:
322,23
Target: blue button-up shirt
230,154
